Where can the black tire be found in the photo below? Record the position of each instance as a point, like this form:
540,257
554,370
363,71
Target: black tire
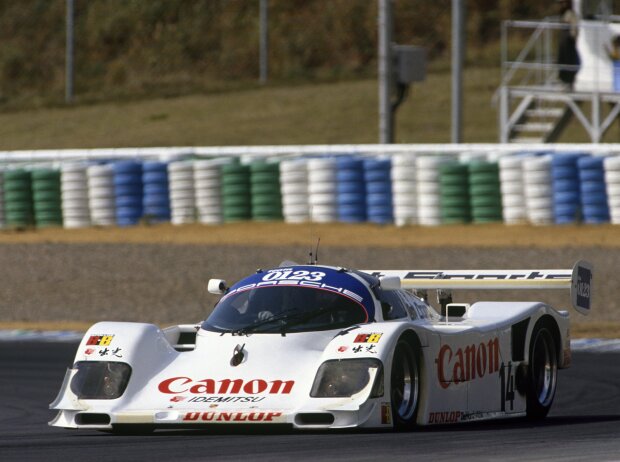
542,372
404,386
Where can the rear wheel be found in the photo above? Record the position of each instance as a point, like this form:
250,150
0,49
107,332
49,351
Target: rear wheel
405,385
542,372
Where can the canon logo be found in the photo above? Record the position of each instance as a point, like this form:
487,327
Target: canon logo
467,364
176,385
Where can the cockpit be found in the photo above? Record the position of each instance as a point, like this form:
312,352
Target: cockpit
288,300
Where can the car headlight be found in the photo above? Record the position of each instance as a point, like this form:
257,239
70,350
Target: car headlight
100,379
347,377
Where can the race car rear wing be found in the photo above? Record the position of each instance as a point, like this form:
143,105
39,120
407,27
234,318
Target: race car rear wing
578,280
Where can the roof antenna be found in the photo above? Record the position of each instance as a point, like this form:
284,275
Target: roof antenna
314,258
316,251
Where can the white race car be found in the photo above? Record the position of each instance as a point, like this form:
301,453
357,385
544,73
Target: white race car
318,347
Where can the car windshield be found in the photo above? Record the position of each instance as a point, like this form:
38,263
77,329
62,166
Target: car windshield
284,309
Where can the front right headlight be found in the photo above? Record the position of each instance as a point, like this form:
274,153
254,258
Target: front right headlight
100,379
347,377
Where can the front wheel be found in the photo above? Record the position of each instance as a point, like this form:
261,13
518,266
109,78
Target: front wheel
542,372
404,386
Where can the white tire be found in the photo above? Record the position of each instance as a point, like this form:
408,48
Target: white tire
181,184
322,188
74,186
535,164
404,160
404,200
510,163
427,187
74,223
294,177
207,183
293,188
322,176
100,182
536,177
322,200
212,210
538,190
75,203
295,199
612,164
181,195
514,214
401,187
513,200
613,189
539,203
300,209
511,174
101,203
182,203
98,191
511,187
428,200
75,194
612,176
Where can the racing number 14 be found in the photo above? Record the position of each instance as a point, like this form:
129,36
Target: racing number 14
507,384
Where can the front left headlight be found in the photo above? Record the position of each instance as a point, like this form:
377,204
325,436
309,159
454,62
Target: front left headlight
347,377
100,379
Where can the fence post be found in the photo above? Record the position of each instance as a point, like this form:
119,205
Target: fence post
263,40
69,54
385,72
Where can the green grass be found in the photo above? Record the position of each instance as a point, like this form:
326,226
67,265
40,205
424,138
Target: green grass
329,113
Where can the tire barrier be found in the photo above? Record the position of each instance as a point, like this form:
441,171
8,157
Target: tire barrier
428,194
236,192
593,190
2,218
351,190
612,183
294,190
565,188
18,206
454,193
155,192
128,192
377,175
537,189
208,190
511,187
46,197
265,191
101,198
182,193
404,189
322,190
74,188
485,192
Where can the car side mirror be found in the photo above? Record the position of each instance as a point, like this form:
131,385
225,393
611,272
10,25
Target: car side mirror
217,286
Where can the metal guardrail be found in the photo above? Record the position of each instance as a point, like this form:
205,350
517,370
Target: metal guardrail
35,156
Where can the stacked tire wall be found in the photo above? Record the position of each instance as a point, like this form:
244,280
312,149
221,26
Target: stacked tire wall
425,189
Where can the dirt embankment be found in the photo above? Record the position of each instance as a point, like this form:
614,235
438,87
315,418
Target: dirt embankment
65,278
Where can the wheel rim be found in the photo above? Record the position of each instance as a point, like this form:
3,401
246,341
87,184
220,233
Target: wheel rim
544,367
405,384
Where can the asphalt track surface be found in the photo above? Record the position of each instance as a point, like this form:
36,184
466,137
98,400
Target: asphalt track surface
583,424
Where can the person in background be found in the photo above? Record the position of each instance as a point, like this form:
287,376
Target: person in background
614,51
567,44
